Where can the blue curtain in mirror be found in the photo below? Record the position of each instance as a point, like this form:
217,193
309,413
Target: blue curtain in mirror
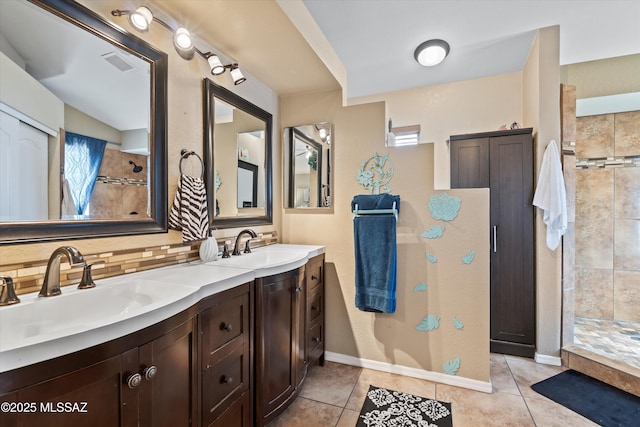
82,159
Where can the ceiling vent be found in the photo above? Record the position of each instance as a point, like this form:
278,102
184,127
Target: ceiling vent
117,61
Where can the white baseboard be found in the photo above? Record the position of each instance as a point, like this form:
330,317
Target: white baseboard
548,360
437,377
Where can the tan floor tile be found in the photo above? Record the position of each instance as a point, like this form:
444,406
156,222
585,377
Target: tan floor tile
348,418
471,408
332,383
527,372
550,414
389,381
501,379
308,413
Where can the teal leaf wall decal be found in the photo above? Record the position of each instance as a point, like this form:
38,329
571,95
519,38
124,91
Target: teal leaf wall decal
444,207
468,258
432,258
429,323
420,287
433,233
458,324
452,366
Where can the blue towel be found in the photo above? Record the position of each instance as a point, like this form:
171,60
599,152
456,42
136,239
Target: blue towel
375,254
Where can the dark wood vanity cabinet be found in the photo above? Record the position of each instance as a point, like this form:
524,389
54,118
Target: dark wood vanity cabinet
315,310
280,342
150,384
225,328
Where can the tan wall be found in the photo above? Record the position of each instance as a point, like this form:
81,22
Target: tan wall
611,76
185,129
453,289
541,87
443,110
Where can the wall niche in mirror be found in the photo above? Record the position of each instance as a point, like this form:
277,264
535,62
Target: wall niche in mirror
307,172
237,159
83,120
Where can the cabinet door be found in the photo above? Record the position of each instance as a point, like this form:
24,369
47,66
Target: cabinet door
512,268
470,163
87,397
300,329
167,394
275,363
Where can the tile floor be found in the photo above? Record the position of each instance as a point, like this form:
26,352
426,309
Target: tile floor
618,341
333,395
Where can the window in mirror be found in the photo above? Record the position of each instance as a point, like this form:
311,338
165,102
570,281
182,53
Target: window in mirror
238,160
307,151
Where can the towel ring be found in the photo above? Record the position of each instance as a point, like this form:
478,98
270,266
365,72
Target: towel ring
185,154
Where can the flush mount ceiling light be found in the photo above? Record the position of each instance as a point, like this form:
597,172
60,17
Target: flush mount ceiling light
141,19
431,52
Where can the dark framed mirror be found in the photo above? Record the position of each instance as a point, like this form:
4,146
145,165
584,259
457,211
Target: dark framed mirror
307,171
238,164
135,77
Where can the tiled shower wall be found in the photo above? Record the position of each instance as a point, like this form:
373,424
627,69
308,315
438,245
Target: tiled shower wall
607,220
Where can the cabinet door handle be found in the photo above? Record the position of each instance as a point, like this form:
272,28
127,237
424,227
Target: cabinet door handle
226,380
495,238
227,327
314,277
150,372
134,380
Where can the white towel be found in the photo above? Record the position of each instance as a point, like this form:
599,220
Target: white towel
68,207
189,209
551,195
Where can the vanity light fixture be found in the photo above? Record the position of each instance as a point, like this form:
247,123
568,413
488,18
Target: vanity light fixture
183,43
141,19
236,74
431,52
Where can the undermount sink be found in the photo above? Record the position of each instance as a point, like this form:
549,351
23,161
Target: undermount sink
41,319
265,261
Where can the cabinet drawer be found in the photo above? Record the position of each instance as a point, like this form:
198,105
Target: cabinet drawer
315,342
224,323
315,304
223,383
314,273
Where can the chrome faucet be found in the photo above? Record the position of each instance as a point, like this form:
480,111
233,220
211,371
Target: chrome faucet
247,247
7,292
51,284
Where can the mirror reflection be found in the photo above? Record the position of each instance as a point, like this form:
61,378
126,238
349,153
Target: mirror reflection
98,94
237,157
83,125
308,166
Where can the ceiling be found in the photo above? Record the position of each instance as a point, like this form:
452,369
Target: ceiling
375,39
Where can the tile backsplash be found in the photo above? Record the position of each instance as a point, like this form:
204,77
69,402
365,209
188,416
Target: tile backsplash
28,276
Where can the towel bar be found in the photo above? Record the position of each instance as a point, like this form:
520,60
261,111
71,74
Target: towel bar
393,210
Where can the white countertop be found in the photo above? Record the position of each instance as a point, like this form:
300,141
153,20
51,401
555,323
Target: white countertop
39,329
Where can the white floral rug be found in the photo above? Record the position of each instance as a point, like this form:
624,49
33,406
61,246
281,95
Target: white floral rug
388,408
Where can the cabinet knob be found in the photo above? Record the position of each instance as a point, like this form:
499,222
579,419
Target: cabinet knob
316,339
134,380
226,380
314,277
227,327
314,307
298,289
150,372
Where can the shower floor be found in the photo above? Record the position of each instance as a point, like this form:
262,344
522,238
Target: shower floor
619,341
